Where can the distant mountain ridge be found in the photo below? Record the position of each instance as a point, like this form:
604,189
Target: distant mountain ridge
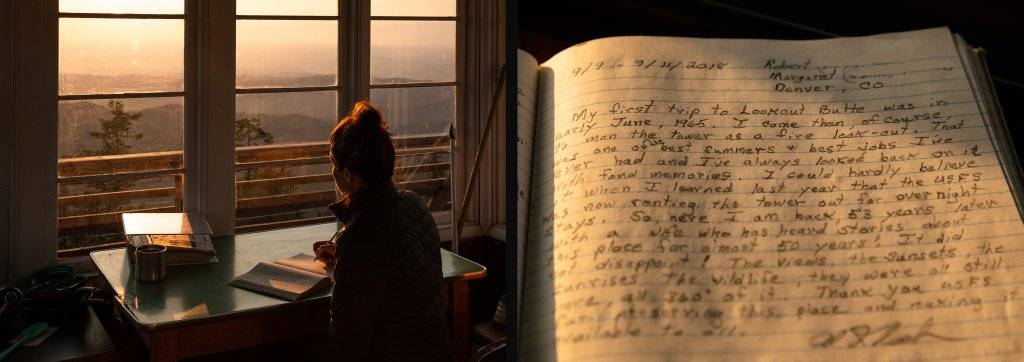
289,117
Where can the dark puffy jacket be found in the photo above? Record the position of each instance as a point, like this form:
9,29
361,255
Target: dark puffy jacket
387,302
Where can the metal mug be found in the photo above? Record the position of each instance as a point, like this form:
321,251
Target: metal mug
151,262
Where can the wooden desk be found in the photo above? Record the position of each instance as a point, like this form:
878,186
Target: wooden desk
195,312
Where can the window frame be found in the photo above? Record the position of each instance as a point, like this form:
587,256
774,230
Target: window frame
339,88
209,96
445,219
187,94
353,82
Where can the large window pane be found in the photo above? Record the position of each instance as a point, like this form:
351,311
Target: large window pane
123,6
276,196
419,118
416,111
290,7
103,146
283,174
119,126
285,117
120,55
412,51
412,8
90,212
286,53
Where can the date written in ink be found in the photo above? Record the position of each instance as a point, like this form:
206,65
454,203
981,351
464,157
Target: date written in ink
669,65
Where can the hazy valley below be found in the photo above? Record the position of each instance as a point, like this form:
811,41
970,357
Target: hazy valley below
288,117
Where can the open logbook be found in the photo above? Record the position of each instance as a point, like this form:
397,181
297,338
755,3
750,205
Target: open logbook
292,278
729,199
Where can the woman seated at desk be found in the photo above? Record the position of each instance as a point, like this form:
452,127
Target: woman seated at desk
387,301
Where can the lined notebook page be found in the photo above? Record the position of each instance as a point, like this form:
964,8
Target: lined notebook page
305,262
280,280
526,97
712,199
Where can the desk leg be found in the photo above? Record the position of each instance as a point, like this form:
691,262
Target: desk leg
460,318
132,346
163,346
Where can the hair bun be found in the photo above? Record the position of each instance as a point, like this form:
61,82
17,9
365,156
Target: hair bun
362,144
366,115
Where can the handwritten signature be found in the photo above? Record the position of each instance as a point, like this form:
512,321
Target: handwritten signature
887,335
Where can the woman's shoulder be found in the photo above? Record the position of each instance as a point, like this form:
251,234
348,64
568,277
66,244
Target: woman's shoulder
406,207
408,194
412,200
393,223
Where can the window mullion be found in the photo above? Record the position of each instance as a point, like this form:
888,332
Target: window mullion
415,18
210,87
284,89
356,68
79,97
285,17
460,146
353,54
119,16
193,163
343,62
413,85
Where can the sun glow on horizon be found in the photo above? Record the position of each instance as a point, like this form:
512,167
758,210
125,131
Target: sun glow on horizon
155,47
123,6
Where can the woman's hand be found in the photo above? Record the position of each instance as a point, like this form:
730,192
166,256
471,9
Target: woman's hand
324,251
317,244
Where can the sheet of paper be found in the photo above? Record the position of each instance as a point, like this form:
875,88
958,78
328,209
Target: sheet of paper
306,262
526,96
535,251
164,223
175,241
279,279
724,199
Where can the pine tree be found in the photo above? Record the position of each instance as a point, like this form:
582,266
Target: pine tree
115,134
116,131
250,132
